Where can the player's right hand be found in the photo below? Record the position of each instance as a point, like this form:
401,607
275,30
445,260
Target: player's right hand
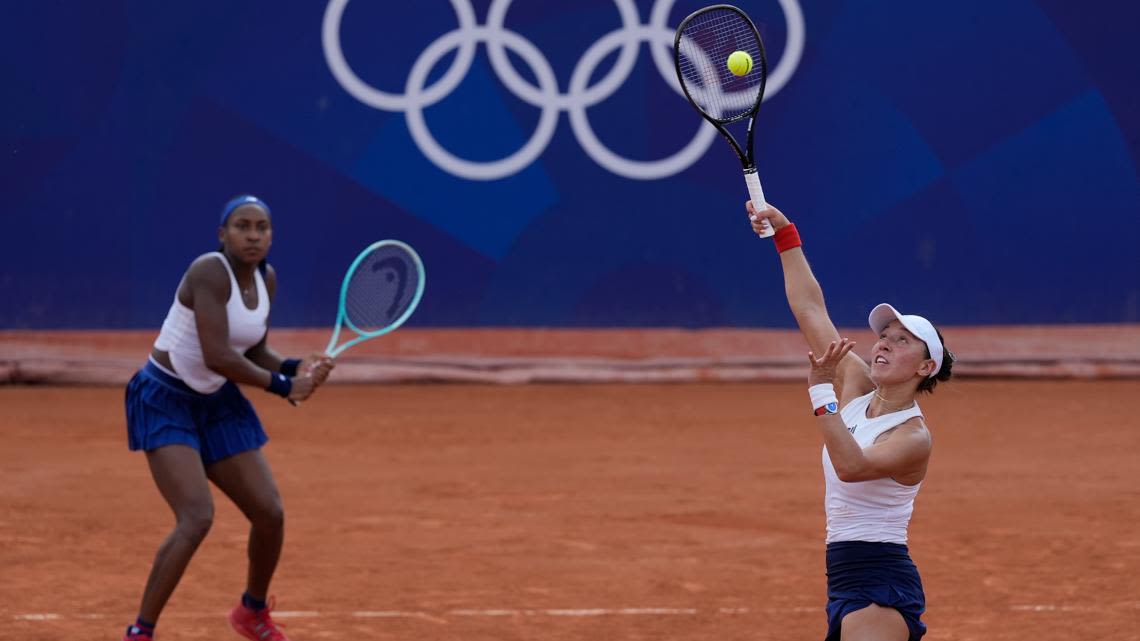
318,366
303,387
774,216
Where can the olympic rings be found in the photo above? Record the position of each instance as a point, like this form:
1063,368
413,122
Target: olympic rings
580,96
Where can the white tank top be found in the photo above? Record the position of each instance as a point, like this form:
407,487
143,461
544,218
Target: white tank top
877,511
179,335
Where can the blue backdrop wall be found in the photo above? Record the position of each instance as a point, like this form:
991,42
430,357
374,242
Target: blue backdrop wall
975,161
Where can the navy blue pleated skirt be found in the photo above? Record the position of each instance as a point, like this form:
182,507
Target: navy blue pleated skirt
860,573
163,410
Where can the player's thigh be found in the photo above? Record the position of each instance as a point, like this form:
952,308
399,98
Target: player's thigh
247,480
874,623
181,479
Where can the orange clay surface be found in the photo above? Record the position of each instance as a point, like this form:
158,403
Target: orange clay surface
585,512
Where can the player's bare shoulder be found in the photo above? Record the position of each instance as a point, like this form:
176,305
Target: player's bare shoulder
205,273
913,431
206,265
270,280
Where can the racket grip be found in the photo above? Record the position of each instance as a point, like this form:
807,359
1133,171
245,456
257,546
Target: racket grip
756,195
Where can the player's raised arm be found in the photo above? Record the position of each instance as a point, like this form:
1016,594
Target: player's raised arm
876,447
805,297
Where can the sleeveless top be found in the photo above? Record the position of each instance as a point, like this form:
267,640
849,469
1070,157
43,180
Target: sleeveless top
879,510
179,334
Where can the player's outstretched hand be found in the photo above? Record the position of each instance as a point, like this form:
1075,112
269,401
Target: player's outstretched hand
318,366
823,368
774,216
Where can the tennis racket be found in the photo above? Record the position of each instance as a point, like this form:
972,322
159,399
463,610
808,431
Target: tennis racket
381,289
701,50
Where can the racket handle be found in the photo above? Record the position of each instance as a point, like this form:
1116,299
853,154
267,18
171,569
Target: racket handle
756,195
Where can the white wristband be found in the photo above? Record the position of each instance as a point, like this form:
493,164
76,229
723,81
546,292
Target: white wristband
823,399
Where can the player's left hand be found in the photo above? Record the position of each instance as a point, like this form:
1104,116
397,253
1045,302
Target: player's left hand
317,366
823,368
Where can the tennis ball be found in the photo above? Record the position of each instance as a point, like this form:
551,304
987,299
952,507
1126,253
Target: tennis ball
739,63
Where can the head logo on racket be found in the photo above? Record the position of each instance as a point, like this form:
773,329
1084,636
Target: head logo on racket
381,289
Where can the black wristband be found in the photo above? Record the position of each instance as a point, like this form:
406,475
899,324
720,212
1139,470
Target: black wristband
289,366
280,384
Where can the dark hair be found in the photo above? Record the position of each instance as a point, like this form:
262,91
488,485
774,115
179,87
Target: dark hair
943,374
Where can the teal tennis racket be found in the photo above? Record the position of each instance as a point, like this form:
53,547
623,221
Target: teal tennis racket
381,289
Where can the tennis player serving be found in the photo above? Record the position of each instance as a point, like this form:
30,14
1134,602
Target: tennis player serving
185,411
876,448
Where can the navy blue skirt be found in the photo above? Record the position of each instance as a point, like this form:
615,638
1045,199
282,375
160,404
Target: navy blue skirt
163,410
860,573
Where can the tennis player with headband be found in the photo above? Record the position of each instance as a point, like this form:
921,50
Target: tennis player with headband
876,449
185,411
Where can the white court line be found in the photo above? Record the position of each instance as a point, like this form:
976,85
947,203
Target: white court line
665,611
385,614
1033,608
1065,608
396,614
296,614
559,612
487,613
569,612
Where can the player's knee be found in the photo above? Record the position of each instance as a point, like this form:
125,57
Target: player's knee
194,523
269,516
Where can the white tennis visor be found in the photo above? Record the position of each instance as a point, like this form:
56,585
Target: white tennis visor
882,316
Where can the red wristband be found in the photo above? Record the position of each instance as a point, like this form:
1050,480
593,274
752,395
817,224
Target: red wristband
786,238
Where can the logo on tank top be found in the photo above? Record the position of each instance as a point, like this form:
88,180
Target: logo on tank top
852,428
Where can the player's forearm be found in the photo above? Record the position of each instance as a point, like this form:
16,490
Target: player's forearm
239,369
846,456
805,298
803,290
264,356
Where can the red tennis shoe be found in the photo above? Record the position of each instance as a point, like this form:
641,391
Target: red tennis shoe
255,625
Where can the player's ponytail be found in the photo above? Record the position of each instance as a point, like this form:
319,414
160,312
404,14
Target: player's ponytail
944,374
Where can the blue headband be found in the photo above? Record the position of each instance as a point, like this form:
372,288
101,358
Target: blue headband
238,202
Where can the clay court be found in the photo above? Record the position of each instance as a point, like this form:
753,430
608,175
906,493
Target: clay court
582,411
581,511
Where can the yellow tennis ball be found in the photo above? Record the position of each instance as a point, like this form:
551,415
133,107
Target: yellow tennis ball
739,63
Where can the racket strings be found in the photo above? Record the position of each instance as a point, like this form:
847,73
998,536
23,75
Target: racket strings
703,48
381,289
